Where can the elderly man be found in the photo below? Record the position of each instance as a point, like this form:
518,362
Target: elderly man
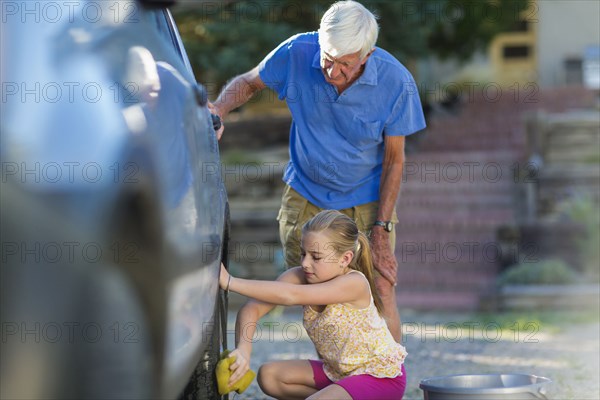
352,105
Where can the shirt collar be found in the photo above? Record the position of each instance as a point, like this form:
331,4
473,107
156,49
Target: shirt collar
368,77
317,59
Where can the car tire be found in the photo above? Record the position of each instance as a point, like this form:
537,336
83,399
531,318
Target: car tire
203,383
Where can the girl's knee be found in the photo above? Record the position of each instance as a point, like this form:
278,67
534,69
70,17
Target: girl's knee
263,371
266,377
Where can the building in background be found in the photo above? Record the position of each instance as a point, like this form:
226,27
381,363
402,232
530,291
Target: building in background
555,43
567,31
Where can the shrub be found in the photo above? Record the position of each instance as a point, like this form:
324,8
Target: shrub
546,272
584,210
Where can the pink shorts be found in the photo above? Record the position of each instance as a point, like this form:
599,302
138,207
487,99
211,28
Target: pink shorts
363,387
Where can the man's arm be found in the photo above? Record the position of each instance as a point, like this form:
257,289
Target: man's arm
391,177
236,93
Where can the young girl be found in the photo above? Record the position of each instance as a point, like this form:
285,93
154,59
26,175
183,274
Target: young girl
342,315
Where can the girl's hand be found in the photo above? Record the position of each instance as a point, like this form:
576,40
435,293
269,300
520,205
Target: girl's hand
223,278
240,366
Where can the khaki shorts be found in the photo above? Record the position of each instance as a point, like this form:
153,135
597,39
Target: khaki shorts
296,210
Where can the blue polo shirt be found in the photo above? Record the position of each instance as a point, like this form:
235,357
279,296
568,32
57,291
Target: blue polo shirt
336,141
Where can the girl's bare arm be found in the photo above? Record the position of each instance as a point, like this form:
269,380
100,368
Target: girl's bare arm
245,327
343,289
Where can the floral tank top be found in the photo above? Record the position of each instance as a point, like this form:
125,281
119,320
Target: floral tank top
354,341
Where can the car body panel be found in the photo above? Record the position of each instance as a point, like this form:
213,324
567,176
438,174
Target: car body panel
102,129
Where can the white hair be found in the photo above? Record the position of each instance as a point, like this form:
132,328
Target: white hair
348,27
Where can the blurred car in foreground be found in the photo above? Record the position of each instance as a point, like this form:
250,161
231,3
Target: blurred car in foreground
114,216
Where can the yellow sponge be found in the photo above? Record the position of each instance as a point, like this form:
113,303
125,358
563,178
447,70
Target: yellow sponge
224,373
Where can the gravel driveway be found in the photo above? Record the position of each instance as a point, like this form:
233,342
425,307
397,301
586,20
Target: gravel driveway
447,344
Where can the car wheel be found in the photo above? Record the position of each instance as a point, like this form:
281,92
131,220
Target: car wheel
203,384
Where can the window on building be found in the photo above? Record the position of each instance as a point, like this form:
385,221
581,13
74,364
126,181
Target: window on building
573,71
515,52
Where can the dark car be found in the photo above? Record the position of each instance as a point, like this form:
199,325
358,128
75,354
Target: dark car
113,212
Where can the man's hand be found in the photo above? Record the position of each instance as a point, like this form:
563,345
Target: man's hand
236,93
383,258
214,110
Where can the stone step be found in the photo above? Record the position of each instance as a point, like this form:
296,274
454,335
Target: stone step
498,125
414,204
437,300
574,137
448,272
460,169
568,171
574,154
478,255
417,257
456,213
408,239
460,157
458,199
452,225
436,187
454,138
470,145
443,283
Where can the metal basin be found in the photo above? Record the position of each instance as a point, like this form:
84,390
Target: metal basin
484,387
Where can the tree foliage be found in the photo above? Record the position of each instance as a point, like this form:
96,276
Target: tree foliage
227,38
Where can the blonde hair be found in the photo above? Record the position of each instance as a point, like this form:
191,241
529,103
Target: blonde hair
345,236
348,27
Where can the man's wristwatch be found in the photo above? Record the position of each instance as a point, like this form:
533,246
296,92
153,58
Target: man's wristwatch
387,225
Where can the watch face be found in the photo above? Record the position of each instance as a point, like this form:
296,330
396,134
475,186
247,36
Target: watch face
388,226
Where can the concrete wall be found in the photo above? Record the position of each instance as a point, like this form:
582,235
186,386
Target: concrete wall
565,28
